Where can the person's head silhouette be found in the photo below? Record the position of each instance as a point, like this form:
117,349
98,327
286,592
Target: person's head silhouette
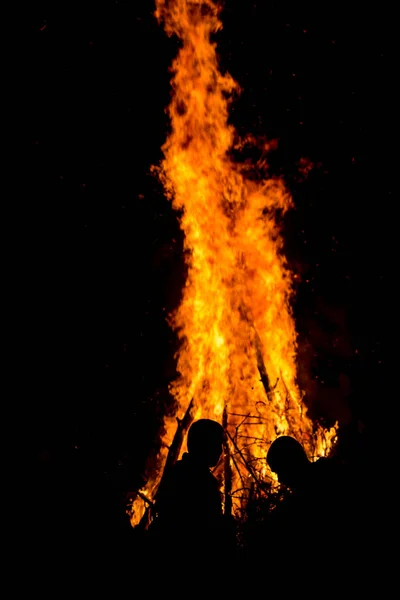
287,458
204,441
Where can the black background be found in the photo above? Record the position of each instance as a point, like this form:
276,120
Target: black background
101,256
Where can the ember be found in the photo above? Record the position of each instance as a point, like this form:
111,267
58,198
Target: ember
237,358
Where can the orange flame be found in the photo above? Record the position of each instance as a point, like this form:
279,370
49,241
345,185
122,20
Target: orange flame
237,333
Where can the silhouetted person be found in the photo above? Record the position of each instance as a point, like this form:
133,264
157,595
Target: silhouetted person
188,505
287,458
315,514
314,485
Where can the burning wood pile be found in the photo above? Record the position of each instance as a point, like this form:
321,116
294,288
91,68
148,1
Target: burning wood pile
237,358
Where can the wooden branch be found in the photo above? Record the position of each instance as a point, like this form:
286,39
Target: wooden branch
249,468
288,395
260,364
176,445
145,498
227,467
238,470
247,416
172,457
246,316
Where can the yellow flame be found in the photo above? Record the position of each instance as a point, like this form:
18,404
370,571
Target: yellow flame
234,321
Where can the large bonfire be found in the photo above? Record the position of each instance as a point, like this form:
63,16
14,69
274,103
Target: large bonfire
237,356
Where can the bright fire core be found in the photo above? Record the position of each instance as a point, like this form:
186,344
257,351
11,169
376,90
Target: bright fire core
234,322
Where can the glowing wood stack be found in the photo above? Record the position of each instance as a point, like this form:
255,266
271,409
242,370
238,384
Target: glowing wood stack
237,333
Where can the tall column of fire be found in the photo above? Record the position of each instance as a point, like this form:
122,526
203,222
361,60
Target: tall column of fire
235,325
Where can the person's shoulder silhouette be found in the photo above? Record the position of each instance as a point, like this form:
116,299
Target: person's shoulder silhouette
189,493
188,503
315,481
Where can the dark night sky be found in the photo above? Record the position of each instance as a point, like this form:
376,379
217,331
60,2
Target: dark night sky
103,264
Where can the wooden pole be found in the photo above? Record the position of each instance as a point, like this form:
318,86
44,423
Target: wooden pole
261,365
172,457
227,466
176,445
